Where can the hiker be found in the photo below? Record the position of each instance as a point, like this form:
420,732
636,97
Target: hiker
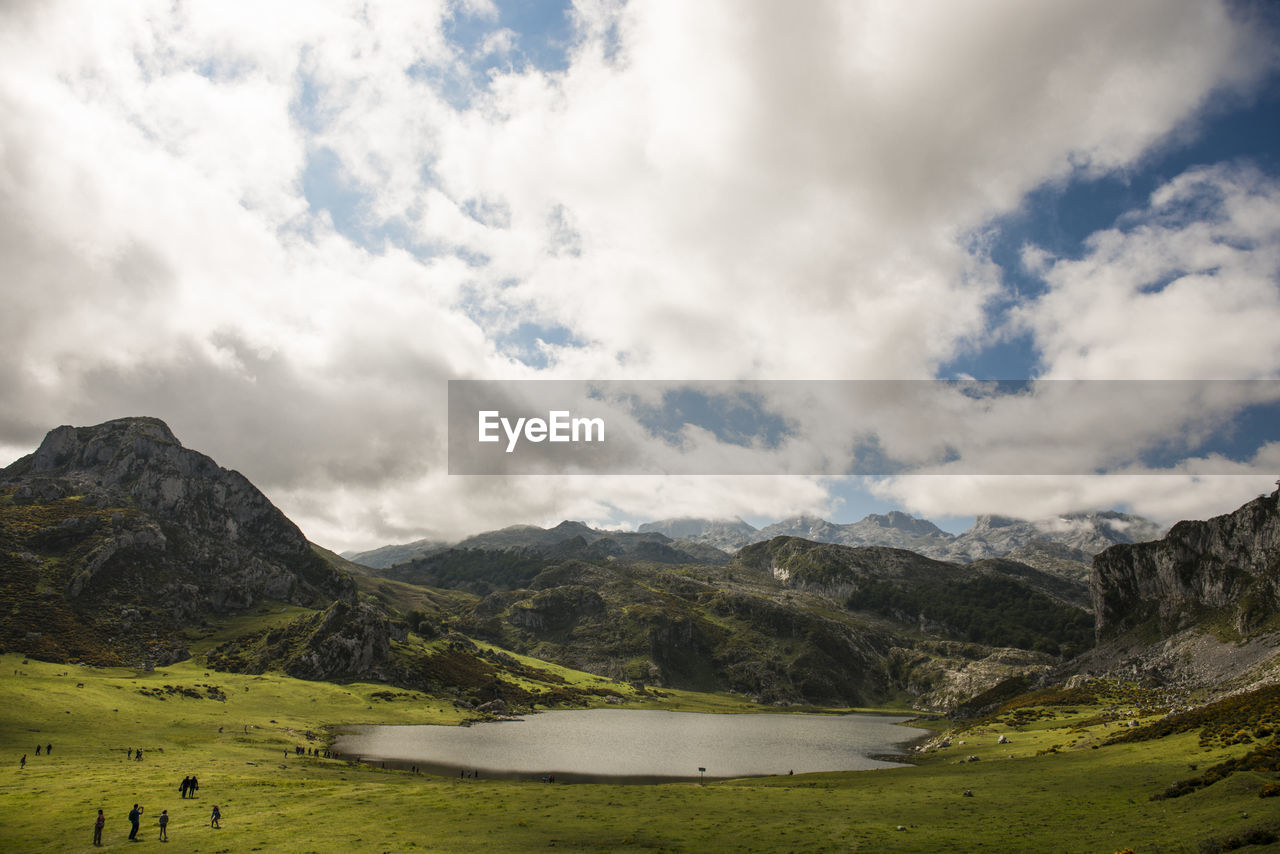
184,786
135,816
137,755
48,748
195,784
129,753
164,825
22,763
98,824
37,750
215,817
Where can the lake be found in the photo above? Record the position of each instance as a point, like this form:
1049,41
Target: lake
630,745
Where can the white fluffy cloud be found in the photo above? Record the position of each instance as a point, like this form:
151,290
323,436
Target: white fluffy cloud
1184,289
708,190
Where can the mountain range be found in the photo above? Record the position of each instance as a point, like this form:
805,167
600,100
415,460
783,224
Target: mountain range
120,546
1074,537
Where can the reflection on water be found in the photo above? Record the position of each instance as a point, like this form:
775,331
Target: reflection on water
640,745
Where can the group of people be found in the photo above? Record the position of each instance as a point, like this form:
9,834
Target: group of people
22,763
135,822
322,752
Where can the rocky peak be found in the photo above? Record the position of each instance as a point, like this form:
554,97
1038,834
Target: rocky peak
148,526
139,462
899,521
991,522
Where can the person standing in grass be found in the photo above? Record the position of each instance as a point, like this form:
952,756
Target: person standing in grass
22,763
98,823
135,816
164,825
215,817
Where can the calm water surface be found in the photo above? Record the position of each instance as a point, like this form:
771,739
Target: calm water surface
639,744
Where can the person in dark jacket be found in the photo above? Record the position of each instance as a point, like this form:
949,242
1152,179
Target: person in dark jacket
135,816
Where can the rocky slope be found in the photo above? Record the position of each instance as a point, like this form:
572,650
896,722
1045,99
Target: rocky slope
118,537
788,621
1228,566
1197,610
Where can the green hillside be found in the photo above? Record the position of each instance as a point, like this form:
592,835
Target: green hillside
1060,784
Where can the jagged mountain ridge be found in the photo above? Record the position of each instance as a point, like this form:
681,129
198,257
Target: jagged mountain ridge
566,540
990,536
1063,544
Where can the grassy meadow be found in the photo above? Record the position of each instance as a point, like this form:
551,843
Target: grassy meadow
1046,790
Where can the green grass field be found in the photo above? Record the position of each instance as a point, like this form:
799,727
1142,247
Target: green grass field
1074,799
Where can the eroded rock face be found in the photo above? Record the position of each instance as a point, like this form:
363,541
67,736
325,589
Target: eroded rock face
346,641
1229,564
157,526
557,609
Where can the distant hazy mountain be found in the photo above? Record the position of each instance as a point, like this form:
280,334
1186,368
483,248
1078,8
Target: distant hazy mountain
575,540
384,556
727,534
1066,543
893,530
1089,533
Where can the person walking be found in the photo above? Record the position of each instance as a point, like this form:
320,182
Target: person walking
215,817
135,816
194,787
164,825
98,823
22,763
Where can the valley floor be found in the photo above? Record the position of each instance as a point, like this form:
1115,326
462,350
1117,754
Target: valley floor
1045,790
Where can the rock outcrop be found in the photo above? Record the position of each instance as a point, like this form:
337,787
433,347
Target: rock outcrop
1227,566
347,640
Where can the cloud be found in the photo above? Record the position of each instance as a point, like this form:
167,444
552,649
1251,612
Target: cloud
1165,495
1183,289
710,190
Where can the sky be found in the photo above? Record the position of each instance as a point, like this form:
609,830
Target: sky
283,228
